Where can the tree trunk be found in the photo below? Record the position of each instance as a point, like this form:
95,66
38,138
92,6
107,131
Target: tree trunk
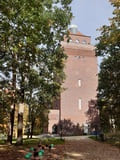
12,113
12,116
20,129
11,125
29,116
32,127
20,114
9,133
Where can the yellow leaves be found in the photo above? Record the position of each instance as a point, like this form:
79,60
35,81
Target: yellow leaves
50,22
112,39
105,41
104,107
20,45
3,125
115,2
117,11
38,122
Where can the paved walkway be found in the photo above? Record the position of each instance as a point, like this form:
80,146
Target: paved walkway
83,148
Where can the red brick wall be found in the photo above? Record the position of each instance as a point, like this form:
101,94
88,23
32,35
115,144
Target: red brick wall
80,65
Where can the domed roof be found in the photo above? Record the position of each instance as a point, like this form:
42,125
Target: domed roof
74,30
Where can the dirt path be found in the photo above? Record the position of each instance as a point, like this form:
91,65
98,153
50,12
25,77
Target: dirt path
87,149
75,148
8,152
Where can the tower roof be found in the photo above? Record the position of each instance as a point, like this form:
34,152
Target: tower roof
74,31
79,34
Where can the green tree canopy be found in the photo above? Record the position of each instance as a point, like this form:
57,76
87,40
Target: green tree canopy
109,77
32,58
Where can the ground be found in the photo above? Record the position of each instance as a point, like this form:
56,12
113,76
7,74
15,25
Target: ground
87,149
80,148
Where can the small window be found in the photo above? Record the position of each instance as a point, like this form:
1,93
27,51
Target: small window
84,42
77,41
78,57
80,104
79,82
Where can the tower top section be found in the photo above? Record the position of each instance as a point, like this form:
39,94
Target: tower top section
79,44
77,37
73,28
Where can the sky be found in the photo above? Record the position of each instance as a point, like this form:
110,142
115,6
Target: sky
91,15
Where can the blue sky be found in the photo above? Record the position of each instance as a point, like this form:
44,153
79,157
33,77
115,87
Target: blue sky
90,15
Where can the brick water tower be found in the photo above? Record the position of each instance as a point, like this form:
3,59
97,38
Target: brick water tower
81,80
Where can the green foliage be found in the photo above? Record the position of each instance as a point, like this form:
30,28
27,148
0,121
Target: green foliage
32,58
113,138
31,34
4,111
67,128
93,117
109,77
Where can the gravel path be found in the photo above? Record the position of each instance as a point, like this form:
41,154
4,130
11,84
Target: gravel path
87,149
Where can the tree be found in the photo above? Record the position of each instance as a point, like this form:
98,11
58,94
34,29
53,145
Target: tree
93,117
4,112
31,32
38,118
109,77
67,128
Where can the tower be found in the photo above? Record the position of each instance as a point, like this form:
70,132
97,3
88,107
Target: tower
81,79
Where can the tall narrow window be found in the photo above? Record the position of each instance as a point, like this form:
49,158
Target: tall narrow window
79,82
80,104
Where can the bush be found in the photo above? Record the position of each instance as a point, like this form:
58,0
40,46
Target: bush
113,138
68,128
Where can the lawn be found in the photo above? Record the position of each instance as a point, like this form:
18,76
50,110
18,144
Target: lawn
19,152
110,138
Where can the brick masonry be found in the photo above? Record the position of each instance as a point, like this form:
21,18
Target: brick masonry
81,67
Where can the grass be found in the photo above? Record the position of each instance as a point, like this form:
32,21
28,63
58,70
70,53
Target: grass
55,141
113,139
94,138
18,152
2,141
36,141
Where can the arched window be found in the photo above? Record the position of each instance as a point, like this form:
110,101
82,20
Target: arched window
84,42
77,41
